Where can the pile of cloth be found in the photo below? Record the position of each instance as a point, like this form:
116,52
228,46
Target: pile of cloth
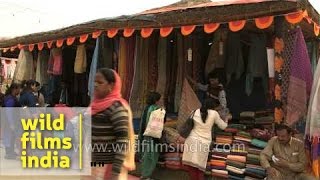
264,117
242,160
257,118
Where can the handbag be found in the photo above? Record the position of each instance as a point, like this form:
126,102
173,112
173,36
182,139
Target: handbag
187,127
155,124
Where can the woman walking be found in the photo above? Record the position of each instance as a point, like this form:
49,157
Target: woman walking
201,137
112,125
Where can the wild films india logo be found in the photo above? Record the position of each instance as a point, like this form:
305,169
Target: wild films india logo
45,141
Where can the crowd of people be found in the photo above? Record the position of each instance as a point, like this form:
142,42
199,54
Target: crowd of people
283,158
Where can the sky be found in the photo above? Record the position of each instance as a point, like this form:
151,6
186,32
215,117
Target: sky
21,17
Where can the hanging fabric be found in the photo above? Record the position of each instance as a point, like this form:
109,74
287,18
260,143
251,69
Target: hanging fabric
106,47
55,62
312,124
24,70
42,66
152,62
93,69
234,58
257,62
122,62
300,80
162,56
183,46
80,65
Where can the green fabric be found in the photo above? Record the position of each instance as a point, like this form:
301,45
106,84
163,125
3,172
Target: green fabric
244,134
150,151
236,164
258,143
237,126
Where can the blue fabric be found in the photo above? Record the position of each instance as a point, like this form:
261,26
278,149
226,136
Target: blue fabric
93,69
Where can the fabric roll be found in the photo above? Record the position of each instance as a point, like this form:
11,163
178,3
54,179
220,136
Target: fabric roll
217,167
236,164
42,65
258,143
254,151
235,170
237,158
250,178
248,114
232,177
220,175
219,171
218,163
80,65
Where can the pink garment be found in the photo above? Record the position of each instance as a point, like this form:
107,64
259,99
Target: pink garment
55,62
99,105
300,81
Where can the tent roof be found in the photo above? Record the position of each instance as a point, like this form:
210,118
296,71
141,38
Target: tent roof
185,12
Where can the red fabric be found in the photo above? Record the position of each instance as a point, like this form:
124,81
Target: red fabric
99,105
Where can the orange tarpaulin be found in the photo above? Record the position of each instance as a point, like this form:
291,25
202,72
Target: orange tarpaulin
264,22
112,32
59,43
146,32
187,30
49,43
210,28
31,47
70,40
127,32
40,46
316,29
96,34
294,18
83,38
165,31
237,25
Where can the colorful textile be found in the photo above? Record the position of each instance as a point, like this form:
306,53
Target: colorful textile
241,159
217,167
55,62
93,69
219,171
236,164
300,81
80,64
312,125
254,151
242,139
189,102
258,143
220,175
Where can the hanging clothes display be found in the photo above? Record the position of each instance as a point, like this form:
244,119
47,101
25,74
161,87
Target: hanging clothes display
257,62
152,62
55,63
312,124
234,58
140,79
67,80
216,54
80,65
23,70
300,80
42,65
93,69
162,56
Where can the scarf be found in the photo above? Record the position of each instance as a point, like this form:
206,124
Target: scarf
98,105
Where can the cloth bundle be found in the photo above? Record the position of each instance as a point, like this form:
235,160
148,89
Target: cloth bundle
258,143
253,159
173,160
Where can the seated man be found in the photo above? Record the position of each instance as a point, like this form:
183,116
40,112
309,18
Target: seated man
284,156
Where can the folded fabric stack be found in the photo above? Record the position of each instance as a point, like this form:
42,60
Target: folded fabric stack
264,120
224,138
253,159
258,143
217,161
247,117
173,160
262,134
255,172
